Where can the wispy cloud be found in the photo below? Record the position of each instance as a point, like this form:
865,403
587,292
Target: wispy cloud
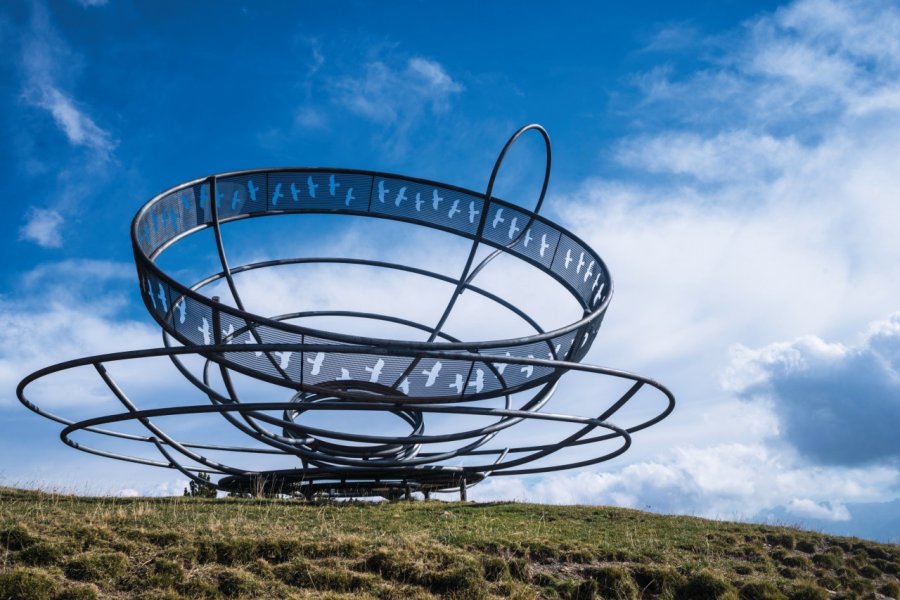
44,56
48,67
386,94
80,129
42,226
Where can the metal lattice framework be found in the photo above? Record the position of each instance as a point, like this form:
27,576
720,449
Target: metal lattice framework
505,381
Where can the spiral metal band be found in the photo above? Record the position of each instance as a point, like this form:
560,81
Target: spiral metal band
508,381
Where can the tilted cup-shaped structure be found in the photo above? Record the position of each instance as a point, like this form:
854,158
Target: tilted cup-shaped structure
426,374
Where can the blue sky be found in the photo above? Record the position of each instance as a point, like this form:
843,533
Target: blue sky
734,163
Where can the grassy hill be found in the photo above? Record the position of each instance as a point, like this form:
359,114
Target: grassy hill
54,546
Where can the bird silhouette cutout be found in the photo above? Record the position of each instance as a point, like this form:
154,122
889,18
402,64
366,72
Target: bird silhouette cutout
454,209
435,199
204,329
162,298
401,196
277,195
149,290
382,191
252,189
432,374
375,370
332,186
498,218
284,359
419,202
472,212
350,198
295,192
501,366
513,229
182,310
599,292
311,186
528,369
316,363
478,384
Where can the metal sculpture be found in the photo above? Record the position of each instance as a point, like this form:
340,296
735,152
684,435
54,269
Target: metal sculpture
505,381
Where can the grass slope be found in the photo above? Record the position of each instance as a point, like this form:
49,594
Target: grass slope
54,546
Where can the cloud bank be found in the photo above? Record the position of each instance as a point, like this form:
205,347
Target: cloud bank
837,404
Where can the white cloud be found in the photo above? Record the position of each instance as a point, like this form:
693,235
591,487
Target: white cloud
50,276
67,310
385,94
79,128
37,332
308,117
726,157
727,481
762,209
837,404
45,60
42,227
804,507
732,226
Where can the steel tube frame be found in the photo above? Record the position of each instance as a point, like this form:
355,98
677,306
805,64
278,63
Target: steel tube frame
356,463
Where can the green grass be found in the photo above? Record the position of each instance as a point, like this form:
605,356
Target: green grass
55,547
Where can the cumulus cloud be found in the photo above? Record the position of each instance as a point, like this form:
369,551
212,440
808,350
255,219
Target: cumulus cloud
42,226
837,404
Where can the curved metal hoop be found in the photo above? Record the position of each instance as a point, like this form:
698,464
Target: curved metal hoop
495,384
